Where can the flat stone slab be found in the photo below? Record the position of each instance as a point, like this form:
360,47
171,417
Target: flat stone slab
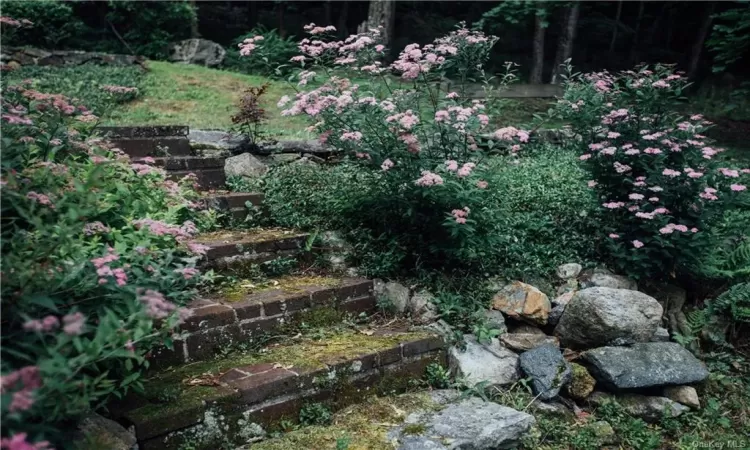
490,362
548,370
467,424
645,365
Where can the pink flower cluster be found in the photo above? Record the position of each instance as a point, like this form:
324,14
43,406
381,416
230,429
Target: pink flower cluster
671,228
42,199
510,133
460,214
197,249
429,179
104,270
314,29
387,165
187,272
26,380
248,46
18,442
159,228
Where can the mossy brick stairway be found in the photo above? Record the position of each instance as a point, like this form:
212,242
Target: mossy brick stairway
243,361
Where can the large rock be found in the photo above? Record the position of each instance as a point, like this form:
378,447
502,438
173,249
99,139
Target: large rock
105,432
494,320
555,314
568,271
645,365
605,278
548,370
522,301
686,395
470,424
651,409
661,335
581,384
484,362
603,316
392,293
198,51
422,309
244,165
523,342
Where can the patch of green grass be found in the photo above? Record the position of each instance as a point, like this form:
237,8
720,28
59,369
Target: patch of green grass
204,98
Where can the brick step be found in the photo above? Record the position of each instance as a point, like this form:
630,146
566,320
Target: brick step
226,200
210,178
175,163
154,147
233,248
245,311
262,388
145,131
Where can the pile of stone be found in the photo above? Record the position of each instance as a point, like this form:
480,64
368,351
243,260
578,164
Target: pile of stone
599,339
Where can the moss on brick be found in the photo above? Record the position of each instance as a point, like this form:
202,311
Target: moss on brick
240,289
254,235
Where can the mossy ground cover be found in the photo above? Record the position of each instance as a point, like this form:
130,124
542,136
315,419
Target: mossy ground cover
239,289
251,236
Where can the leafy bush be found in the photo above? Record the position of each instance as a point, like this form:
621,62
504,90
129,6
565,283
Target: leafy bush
272,58
87,83
658,179
94,264
424,187
53,23
150,30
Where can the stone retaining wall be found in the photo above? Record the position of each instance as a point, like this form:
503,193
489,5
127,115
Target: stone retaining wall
27,56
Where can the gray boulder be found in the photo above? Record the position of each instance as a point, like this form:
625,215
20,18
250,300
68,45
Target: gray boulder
495,320
645,365
105,432
197,51
661,335
470,424
244,165
548,370
651,409
604,278
484,362
568,271
555,314
422,309
686,395
394,293
606,316
524,342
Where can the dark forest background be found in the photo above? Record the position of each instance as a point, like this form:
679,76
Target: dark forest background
608,35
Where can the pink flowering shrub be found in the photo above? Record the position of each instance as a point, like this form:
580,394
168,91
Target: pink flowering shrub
659,179
419,143
95,264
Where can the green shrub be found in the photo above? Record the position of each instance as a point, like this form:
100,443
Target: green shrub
659,181
54,24
85,83
94,264
274,61
149,30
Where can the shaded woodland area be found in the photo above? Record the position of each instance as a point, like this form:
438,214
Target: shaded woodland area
537,35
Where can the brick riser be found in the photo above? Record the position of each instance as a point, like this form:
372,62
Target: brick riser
153,147
215,325
234,204
227,256
207,178
266,393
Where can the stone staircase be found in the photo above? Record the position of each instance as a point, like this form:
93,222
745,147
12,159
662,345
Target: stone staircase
221,382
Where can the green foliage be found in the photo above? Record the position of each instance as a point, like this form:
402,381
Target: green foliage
515,12
150,30
251,119
84,83
437,376
274,60
54,24
93,263
730,36
315,414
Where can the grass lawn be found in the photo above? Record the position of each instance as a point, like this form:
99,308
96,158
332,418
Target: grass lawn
202,98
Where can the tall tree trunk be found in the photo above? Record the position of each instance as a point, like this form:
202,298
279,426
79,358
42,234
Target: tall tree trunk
383,13
194,23
343,16
615,28
328,14
252,14
280,10
695,57
565,45
537,58
636,35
